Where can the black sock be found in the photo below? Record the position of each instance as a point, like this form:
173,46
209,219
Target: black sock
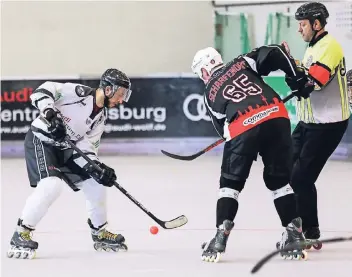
286,208
226,208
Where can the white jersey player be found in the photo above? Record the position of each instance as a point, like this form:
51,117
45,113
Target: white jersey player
79,113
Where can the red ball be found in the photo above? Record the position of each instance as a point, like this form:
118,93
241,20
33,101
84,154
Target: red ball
154,230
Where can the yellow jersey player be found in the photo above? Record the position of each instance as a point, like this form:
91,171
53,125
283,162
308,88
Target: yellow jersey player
323,116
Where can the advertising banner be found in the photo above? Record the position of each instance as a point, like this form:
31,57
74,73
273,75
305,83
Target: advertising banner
158,108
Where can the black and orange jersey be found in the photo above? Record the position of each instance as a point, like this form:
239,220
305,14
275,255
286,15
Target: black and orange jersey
237,98
325,63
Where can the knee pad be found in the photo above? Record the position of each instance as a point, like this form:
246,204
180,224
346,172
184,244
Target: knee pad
276,177
38,203
230,188
50,188
285,190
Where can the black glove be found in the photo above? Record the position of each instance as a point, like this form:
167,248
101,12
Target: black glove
300,84
56,127
106,177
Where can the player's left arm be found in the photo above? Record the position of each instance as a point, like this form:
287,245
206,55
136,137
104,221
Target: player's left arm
323,69
269,58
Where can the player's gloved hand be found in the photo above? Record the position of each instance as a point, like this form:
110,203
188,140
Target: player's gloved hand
56,125
106,177
300,84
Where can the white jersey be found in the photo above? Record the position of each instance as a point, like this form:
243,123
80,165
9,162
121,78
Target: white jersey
76,104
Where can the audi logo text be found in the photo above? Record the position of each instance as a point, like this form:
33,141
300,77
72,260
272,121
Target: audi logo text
201,111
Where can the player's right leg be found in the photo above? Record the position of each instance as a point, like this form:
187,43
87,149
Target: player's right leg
42,163
238,157
276,151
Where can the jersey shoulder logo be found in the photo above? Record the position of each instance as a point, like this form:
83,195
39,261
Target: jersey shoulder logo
309,61
83,91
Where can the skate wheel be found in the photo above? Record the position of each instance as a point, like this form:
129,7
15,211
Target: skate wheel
217,258
18,254
296,255
203,245
304,255
278,245
211,258
124,247
318,246
29,254
97,247
32,254
287,256
308,247
10,254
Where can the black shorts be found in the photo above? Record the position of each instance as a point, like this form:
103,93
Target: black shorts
44,160
271,139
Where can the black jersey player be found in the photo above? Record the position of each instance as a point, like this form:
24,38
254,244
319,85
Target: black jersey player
252,118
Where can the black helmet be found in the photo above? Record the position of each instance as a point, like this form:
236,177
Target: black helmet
312,11
116,78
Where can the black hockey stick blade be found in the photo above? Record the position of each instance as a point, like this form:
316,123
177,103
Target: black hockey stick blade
216,143
268,257
194,156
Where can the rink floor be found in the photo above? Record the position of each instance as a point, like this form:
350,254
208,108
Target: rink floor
170,188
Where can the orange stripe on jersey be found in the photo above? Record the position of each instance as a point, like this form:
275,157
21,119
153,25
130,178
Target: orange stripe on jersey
320,73
256,116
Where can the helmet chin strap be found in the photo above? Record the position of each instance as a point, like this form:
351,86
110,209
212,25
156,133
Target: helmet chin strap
106,102
107,97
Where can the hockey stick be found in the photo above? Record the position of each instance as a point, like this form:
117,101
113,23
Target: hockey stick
174,223
210,147
194,156
292,247
171,224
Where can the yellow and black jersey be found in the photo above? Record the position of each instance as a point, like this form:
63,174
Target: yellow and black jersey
324,60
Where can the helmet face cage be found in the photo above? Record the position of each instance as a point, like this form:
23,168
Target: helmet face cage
116,79
126,94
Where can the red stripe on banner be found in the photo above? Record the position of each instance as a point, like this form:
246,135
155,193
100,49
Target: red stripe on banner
255,116
320,73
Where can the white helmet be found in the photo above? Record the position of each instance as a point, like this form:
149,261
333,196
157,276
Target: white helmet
206,58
